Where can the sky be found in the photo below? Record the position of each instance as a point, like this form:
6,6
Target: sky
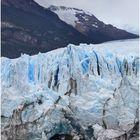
123,14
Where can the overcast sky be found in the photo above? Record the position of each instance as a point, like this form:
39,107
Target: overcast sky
121,13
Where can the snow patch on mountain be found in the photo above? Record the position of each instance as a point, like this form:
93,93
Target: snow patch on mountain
68,15
94,25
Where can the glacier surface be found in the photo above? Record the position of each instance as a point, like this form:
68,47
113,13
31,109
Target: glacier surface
87,91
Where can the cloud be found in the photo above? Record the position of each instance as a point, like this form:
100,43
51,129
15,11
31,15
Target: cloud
121,13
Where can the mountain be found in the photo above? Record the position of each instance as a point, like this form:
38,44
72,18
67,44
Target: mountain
87,91
89,25
29,28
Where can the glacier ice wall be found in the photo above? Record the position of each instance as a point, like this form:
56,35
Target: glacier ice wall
71,89
74,63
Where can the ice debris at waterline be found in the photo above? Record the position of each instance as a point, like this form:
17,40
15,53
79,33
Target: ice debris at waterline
85,92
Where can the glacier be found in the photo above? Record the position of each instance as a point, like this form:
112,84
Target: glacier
88,91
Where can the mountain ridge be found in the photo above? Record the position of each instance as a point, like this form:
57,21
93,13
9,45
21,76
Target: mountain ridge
30,28
40,30
86,23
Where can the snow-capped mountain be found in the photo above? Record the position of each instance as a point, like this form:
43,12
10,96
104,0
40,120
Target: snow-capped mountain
121,14
87,91
89,25
30,28
70,15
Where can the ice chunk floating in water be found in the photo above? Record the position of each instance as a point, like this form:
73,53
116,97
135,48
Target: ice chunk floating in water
87,91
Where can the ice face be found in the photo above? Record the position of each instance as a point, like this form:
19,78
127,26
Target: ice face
73,62
71,89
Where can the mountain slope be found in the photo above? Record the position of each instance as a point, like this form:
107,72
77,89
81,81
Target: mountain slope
89,25
29,28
